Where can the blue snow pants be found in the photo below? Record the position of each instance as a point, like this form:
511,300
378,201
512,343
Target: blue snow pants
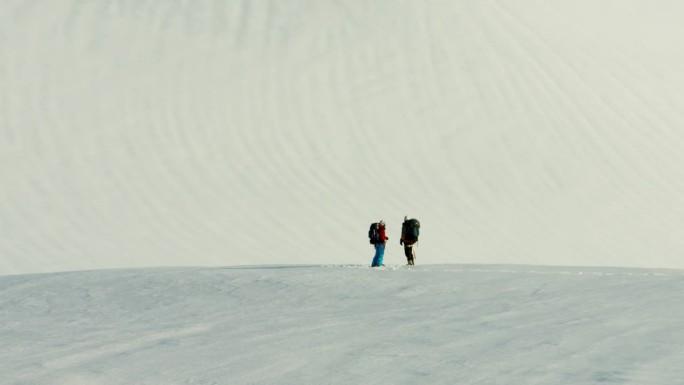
379,254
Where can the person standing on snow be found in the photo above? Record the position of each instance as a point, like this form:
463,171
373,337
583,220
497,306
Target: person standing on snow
410,230
378,238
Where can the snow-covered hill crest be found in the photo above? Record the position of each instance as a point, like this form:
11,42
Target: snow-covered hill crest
438,324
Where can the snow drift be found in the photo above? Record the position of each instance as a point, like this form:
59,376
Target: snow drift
146,132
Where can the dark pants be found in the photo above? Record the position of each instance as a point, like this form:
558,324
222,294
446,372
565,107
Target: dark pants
410,253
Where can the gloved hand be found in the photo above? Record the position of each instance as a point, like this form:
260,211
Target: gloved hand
401,243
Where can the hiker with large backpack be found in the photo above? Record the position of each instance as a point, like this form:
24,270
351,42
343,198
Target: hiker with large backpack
378,238
410,230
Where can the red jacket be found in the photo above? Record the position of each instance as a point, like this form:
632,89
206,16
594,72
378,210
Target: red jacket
383,236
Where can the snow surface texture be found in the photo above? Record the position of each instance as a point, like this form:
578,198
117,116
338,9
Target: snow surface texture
222,132
267,135
264,325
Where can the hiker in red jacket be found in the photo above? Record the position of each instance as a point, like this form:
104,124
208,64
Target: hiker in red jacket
379,244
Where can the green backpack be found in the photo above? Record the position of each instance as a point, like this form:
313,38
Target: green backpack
410,230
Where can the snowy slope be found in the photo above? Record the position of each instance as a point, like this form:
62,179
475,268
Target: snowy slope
163,133
437,324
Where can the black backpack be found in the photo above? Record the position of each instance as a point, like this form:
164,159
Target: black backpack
374,233
410,230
